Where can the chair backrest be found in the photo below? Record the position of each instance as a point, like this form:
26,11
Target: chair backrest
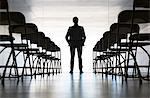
140,16
53,48
28,28
37,38
10,18
41,40
106,37
120,31
27,31
15,18
97,46
142,3
3,4
57,48
33,37
124,28
100,45
47,42
50,45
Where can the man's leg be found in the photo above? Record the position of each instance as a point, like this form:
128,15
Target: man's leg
79,50
72,52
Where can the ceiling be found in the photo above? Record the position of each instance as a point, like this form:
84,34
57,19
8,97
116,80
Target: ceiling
58,13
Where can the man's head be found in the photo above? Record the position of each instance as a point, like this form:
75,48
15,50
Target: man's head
75,20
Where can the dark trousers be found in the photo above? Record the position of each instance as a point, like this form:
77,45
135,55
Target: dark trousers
72,51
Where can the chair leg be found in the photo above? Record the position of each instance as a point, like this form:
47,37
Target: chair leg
136,66
24,68
4,72
30,65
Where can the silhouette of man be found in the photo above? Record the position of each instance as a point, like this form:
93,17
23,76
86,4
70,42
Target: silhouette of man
76,38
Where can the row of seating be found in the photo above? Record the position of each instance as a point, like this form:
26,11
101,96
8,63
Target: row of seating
116,52
36,52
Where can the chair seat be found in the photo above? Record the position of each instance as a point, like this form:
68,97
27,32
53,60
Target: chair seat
39,54
103,57
113,52
50,57
117,49
141,37
15,45
6,38
139,44
100,57
29,50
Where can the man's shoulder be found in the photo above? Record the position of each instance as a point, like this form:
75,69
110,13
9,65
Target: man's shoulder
75,27
80,26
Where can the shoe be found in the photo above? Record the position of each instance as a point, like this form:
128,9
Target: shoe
71,72
81,72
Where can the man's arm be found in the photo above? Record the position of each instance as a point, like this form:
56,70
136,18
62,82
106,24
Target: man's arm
68,35
83,35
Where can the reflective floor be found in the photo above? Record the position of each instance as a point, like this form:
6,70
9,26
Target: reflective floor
65,85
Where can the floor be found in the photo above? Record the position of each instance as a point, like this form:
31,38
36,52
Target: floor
65,85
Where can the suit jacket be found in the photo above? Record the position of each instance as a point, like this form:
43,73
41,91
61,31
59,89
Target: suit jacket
76,36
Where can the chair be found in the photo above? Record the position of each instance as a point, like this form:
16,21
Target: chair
137,17
9,22
111,53
102,62
33,37
96,52
120,32
26,31
55,55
